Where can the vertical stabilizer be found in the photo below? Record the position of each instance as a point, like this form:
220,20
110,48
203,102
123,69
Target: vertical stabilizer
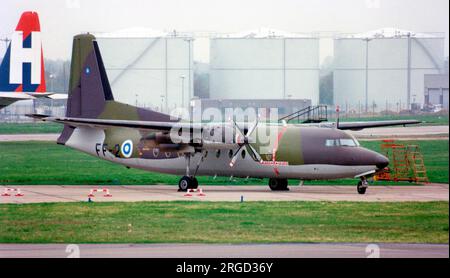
22,68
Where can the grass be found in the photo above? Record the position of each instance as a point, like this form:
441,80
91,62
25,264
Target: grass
46,163
207,222
30,128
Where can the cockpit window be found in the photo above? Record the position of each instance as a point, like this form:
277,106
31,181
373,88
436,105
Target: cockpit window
347,142
330,143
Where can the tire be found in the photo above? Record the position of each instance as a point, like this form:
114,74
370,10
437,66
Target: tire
194,183
360,188
278,184
184,184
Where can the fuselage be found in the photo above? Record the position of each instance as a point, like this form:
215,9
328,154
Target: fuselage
291,151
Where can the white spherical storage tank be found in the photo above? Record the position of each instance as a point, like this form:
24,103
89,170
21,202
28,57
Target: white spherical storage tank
264,64
149,68
384,69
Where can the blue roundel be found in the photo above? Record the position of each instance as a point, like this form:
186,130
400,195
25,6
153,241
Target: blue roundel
127,148
87,70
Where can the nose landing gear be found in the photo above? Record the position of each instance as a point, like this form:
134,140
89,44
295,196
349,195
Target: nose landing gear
362,186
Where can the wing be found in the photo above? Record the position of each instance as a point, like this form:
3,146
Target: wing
48,95
102,123
363,125
7,98
167,126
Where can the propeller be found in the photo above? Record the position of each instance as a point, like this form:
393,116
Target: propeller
243,141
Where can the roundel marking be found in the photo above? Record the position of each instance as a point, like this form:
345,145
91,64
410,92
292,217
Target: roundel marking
127,148
87,70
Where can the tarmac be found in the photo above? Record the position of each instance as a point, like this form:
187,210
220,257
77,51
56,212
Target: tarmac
376,193
400,133
287,250
404,133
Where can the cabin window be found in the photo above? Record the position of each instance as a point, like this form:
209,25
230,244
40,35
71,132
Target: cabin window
243,154
218,153
230,154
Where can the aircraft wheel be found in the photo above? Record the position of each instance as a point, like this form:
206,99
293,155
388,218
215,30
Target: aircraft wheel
194,183
361,188
278,184
185,183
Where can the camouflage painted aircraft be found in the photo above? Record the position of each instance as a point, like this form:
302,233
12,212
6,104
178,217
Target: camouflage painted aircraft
22,73
140,138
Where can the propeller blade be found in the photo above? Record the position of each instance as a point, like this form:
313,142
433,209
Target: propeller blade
239,134
253,153
253,128
235,157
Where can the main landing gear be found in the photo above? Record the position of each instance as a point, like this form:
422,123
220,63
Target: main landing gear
362,186
189,181
278,184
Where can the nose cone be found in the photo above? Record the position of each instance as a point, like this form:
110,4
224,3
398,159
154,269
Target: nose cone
381,161
374,158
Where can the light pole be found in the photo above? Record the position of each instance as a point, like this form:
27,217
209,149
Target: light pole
51,77
367,40
182,77
52,84
408,76
162,102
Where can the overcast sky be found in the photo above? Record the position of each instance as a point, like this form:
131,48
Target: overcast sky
61,19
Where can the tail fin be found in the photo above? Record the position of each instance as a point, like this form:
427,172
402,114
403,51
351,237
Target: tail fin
90,94
89,88
22,68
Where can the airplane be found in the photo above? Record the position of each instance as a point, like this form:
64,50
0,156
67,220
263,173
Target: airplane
22,73
145,139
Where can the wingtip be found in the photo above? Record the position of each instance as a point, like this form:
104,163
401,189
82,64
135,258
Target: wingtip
37,116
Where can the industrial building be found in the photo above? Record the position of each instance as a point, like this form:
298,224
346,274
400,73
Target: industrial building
436,92
264,64
149,68
384,69
262,107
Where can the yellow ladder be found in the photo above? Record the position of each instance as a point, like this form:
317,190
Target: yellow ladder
401,163
416,159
